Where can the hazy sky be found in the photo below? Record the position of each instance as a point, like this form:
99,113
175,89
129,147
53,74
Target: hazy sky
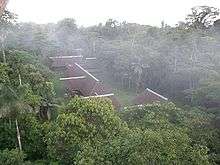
91,12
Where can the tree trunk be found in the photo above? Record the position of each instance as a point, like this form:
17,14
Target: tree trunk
9,122
3,53
19,76
18,135
48,114
175,64
93,48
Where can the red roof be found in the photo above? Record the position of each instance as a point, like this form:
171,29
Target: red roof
148,96
63,61
87,84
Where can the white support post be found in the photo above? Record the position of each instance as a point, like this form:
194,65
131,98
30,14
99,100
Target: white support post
73,78
100,96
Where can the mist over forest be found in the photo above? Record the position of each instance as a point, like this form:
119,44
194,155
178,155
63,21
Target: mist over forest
43,123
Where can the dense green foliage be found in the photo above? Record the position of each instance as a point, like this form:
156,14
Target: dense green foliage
11,157
92,132
83,124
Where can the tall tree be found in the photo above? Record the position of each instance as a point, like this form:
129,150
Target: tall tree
202,17
6,21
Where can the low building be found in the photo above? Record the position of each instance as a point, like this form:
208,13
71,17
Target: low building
81,82
148,96
62,61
